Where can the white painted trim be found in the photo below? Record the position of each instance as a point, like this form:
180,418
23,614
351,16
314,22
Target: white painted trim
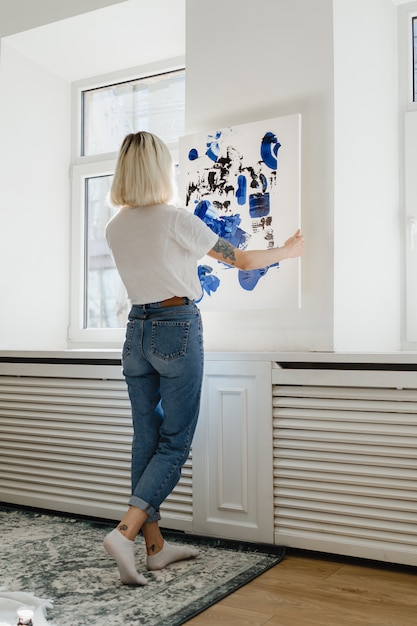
77,335
406,357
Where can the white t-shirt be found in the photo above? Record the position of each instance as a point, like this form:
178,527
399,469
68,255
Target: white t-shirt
156,249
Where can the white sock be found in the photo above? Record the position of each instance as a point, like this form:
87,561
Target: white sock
169,554
121,549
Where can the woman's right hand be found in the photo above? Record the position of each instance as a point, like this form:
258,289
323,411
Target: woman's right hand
294,246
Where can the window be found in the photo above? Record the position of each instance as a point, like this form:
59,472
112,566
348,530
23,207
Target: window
103,115
154,104
414,47
408,104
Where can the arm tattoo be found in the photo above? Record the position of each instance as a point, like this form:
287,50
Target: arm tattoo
225,249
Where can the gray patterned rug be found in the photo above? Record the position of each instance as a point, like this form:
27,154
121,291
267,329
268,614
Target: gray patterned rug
61,559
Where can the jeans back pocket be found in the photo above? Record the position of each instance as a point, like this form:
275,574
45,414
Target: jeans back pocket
169,339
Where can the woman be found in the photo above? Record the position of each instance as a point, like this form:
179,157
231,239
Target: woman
156,248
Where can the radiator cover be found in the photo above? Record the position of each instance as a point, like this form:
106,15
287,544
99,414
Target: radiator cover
65,444
345,462
344,453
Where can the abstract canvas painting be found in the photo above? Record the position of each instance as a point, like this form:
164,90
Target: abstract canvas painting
244,183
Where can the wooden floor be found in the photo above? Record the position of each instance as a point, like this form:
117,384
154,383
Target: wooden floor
306,590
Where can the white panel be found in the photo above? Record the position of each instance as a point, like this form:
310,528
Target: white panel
65,444
233,449
345,463
233,490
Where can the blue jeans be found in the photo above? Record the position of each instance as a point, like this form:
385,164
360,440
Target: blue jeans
163,361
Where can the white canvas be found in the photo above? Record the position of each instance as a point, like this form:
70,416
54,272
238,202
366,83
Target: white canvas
244,182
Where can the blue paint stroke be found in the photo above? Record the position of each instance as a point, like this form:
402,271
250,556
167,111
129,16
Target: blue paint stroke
225,226
206,211
193,154
236,236
213,146
259,205
209,283
241,189
269,150
248,279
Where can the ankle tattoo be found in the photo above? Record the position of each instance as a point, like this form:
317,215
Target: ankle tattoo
122,527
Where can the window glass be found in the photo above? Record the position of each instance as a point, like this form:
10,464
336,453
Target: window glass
105,303
414,31
154,104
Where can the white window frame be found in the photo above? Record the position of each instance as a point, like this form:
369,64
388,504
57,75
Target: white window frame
408,193
77,333
411,104
81,169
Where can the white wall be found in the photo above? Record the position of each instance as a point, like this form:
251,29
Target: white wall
249,61
34,208
368,221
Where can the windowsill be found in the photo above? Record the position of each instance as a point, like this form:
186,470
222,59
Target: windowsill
289,357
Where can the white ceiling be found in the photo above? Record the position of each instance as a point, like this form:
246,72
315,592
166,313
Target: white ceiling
129,34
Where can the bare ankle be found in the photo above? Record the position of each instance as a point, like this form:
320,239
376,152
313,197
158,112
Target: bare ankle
154,547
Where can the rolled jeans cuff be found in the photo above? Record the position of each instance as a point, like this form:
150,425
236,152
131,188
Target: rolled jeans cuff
153,514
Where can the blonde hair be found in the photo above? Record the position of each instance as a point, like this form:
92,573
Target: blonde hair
144,172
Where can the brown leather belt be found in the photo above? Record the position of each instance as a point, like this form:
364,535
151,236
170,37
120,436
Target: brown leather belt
174,301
